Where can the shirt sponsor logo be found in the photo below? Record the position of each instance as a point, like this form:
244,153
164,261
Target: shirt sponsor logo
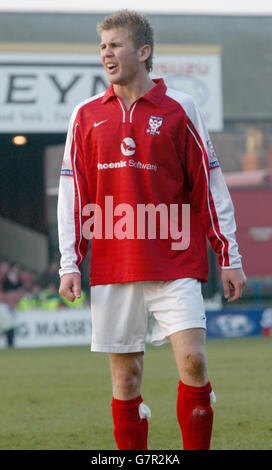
155,123
107,166
131,163
142,166
128,146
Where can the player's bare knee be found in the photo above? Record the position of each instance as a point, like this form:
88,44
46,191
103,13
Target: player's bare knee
128,382
128,377
195,365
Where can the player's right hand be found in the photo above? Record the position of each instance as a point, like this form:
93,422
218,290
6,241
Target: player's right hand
70,286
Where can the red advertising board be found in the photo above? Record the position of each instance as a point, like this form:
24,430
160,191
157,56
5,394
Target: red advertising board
253,213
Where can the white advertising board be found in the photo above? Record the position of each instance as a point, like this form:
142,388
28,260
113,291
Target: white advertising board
39,91
40,328
199,75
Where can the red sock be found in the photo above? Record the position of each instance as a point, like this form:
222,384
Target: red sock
195,416
130,431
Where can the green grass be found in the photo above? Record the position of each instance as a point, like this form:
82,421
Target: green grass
60,398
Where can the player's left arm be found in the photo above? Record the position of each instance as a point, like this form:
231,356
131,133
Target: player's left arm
211,199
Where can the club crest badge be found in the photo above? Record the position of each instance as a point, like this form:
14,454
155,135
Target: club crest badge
155,123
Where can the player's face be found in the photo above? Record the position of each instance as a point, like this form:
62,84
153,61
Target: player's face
119,55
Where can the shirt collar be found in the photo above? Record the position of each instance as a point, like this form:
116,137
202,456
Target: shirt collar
154,96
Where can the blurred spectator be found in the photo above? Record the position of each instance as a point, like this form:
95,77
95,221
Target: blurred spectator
12,297
4,269
50,276
50,298
11,280
27,278
30,299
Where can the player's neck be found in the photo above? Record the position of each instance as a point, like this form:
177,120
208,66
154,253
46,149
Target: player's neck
132,91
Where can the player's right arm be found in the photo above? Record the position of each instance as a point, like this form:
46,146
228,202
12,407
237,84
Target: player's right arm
70,286
72,197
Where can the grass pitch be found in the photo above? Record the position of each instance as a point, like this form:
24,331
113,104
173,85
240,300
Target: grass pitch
60,398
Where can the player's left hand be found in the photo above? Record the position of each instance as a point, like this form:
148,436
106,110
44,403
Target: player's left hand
233,282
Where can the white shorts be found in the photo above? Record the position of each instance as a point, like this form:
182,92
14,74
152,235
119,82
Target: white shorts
120,313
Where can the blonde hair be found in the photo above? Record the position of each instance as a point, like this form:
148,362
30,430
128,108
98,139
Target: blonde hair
137,24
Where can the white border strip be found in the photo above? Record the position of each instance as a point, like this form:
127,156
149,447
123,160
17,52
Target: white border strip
131,112
124,112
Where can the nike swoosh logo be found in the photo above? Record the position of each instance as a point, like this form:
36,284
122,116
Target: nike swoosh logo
98,123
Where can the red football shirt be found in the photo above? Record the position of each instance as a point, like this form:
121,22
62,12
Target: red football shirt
126,170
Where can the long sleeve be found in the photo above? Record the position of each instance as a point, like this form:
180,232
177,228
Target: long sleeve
72,197
209,194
